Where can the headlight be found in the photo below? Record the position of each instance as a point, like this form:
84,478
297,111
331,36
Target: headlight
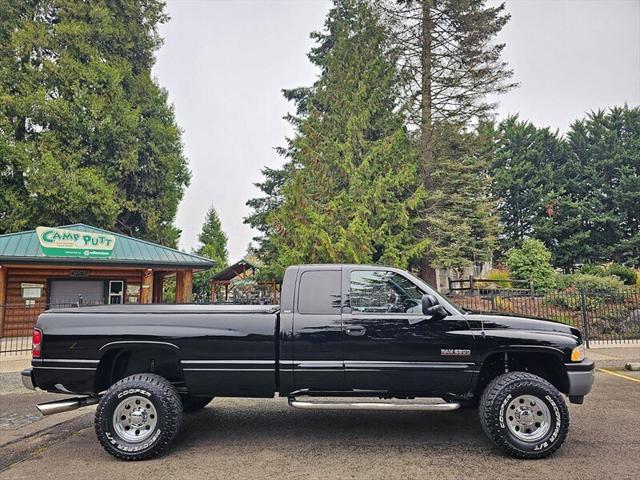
578,353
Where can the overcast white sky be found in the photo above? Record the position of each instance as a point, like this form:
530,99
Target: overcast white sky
224,64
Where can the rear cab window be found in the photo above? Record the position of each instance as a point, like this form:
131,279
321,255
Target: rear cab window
319,292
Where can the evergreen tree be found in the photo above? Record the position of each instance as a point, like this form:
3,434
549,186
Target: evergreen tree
263,207
352,191
598,216
451,63
460,215
85,134
524,179
213,245
579,194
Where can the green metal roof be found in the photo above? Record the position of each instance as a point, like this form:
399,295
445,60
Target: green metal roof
25,247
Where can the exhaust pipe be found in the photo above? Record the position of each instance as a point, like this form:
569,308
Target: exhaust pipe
59,406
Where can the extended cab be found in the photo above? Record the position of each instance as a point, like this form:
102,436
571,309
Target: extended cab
341,331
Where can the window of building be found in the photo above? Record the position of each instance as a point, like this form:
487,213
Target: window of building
116,291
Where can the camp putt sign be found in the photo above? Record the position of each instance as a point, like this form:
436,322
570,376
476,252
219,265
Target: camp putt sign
59,242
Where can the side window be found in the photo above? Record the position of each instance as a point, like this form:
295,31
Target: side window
319,292
378,291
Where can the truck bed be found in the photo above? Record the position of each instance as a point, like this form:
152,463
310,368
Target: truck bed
220,349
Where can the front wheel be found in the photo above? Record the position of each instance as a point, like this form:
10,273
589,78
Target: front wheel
138,417
524,415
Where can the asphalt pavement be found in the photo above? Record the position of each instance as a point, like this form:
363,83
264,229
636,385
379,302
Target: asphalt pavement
261,439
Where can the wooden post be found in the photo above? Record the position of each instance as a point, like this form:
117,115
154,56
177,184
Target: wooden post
146,286
184,286
158,287
214,291
3,295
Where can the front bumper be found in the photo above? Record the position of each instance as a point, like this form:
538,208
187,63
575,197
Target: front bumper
27,379
580,375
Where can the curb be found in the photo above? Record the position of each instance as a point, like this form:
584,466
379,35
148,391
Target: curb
616,364
633,367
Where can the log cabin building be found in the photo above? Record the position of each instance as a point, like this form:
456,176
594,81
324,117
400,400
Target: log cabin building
83,265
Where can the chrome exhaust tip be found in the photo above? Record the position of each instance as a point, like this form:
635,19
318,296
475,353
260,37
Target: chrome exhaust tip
59,406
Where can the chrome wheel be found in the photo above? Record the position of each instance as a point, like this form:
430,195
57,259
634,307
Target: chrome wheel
528,418
135,419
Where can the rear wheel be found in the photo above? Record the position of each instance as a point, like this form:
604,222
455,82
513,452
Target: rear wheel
524,415
138,417
193,404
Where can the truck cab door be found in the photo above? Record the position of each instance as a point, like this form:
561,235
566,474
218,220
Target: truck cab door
317,330
390,345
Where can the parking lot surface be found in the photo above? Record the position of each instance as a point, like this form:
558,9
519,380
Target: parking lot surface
258,439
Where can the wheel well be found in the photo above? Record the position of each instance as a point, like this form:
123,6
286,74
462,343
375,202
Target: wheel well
119,363
545,365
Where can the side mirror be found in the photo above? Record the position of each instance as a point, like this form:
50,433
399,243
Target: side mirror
431,306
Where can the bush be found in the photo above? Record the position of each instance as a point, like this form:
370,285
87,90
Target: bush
495,274
532,261
591,269
590,283
627,275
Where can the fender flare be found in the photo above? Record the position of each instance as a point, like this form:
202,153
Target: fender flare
132,343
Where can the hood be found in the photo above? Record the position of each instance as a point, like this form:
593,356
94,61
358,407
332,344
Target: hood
491,322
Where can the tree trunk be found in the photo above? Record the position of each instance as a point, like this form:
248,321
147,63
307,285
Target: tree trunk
426,128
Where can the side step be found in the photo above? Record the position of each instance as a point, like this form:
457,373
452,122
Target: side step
60,406
355,405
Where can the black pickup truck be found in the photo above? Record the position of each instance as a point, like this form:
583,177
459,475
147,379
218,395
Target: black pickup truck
350,332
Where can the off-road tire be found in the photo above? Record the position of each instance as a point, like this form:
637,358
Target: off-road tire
496,402
193,404
167,416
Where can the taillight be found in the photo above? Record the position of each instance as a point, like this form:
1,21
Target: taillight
36,343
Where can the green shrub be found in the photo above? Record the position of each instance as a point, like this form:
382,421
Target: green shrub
495,274
532,261
562,318
611,286
591,269
503,304
627,275
571,299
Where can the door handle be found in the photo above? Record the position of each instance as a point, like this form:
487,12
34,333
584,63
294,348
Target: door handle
355,330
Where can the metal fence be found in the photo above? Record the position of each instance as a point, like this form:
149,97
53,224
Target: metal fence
18,320
612,316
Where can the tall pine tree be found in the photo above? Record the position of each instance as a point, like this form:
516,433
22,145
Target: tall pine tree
452,63
213,245
86,135
459,215
353,192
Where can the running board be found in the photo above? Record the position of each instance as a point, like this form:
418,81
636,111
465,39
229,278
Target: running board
430,407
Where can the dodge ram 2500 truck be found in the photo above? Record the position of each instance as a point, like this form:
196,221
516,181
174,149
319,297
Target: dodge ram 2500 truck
343,331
